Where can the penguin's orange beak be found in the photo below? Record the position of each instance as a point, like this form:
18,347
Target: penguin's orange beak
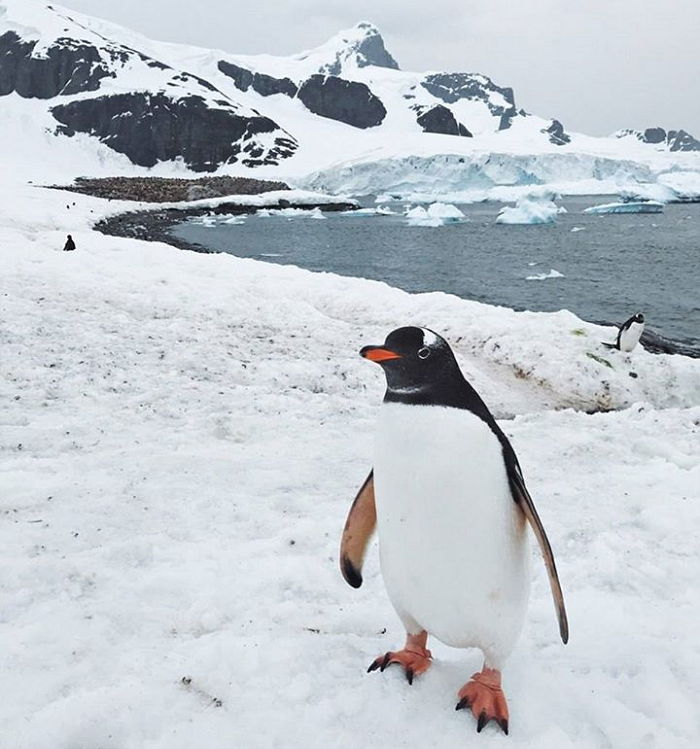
378,354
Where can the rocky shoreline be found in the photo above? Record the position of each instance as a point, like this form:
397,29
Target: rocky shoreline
169,189
154,225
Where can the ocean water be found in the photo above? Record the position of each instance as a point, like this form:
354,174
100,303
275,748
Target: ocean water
603,268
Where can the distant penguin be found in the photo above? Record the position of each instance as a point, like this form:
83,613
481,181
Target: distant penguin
450,505
69,245
629,334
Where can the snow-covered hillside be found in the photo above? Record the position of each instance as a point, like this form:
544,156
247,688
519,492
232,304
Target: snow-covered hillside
317,118
180,438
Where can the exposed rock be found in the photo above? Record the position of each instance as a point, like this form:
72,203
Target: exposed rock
67,67
680,140
451,87
675,140
200,192
154,225
654,135
557,134
149,128
169,189
440,119
345,101
265,85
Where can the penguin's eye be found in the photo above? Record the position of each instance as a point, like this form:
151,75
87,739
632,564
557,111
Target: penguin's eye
423,353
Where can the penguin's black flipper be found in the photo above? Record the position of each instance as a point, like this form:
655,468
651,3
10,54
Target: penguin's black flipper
361,522
524,501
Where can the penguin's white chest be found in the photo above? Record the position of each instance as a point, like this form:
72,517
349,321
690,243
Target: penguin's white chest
629,337
452,541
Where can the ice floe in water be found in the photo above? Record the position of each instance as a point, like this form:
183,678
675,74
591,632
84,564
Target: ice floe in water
542,276
672,187
291,213
636,206
531,209
578,228
436,214
360,212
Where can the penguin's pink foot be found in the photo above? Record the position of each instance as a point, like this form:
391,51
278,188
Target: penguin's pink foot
415,657
483,694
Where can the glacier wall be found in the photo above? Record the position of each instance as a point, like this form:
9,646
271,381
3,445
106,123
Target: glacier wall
451,173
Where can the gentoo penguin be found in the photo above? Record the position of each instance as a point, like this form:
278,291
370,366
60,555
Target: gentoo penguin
450,505
629,333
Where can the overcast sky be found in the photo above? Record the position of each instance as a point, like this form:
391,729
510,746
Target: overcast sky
597,65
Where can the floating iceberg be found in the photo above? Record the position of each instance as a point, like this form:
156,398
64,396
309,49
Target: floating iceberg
291,213
578,228
636,206
360,212
445,211
542,276
672,187
530,210
436,214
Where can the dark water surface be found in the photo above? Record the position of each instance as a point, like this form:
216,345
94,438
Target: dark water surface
617,265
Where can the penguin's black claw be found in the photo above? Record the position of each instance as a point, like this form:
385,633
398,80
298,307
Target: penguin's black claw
385,662
373,666
483,720
409,675
503,723
464,702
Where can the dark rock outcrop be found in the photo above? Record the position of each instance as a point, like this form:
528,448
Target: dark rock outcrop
440,119
149,128
169,189
451,87
67,67
680,140
557,134
265,85
346,101
675,140
654,135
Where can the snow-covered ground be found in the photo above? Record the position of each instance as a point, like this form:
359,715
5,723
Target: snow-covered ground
181,436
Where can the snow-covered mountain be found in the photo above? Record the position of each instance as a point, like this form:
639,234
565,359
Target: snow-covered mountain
673,140
330,116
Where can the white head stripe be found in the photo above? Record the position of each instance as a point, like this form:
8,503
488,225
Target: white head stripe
429,338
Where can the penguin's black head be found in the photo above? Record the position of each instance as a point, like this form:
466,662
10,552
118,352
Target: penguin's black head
639,317
413,359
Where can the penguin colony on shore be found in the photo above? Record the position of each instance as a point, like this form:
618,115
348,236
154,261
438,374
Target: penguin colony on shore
449,502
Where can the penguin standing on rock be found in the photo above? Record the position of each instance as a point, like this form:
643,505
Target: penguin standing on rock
629,334
451,508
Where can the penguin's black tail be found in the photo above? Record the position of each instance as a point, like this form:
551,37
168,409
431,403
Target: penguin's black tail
608,345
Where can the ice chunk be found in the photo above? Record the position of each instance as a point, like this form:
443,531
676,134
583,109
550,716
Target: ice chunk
445,211
578,228
645,192
542,276
418,216
292,213
637,206
529,210
436,214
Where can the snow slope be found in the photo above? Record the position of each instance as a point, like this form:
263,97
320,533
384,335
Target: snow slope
181,436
